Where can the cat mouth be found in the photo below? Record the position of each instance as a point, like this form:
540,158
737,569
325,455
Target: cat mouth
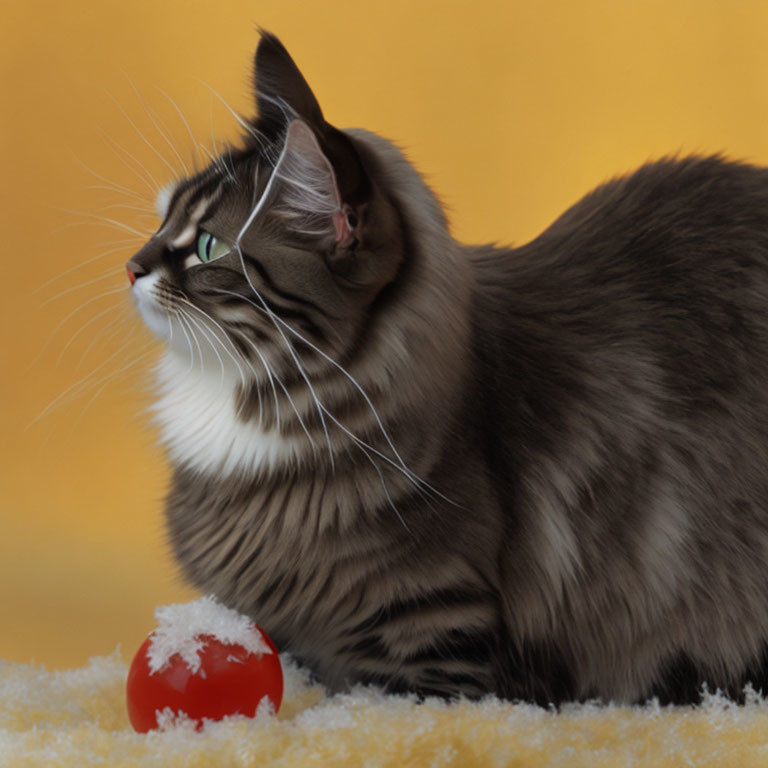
145,294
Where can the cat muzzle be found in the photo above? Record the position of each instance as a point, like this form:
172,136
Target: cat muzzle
134,271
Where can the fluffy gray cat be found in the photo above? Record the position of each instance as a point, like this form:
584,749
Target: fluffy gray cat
538,472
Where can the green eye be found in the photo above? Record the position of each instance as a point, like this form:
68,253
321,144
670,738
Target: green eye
210,247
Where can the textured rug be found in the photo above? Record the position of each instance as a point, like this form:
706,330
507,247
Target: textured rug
78,718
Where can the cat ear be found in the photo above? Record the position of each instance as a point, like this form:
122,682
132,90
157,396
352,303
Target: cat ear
282,96
281,91
308,196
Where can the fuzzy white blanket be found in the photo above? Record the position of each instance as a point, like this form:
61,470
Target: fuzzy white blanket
78,718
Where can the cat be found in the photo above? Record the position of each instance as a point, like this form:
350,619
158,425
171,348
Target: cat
536,472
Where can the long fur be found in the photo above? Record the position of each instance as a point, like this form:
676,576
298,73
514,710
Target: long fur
449,469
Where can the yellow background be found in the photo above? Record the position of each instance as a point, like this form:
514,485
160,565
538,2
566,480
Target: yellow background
512,109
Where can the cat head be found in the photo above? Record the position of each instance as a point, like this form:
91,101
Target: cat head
290,235
308,289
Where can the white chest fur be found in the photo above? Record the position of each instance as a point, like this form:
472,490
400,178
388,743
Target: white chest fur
196,413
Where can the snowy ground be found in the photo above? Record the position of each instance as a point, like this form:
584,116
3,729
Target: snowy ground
78,718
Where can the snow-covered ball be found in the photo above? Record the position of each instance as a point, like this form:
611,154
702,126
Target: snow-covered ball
204,661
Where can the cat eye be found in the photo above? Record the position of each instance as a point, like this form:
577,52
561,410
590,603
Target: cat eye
210,247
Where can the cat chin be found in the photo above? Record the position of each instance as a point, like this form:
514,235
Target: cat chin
157,322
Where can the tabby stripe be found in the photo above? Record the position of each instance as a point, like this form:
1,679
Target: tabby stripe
296,317
237,554
369,647
285,313
435,676
458,645
441,598
283,294
208,188
192,193
248,563
314,509
248,330
210,554
244,349
271,589
179,191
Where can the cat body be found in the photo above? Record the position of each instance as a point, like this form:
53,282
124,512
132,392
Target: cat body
538,472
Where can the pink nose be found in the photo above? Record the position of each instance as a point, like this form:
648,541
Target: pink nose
131,276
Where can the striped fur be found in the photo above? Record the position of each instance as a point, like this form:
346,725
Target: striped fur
537,472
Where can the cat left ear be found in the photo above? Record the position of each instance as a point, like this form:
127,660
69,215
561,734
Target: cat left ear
308,196
281,91
282,97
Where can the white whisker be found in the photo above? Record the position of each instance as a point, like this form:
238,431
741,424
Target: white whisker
287,394
134,195
81,265
155,122
289,113
194,338
206,336
121,321
231,164
77,309
184,120
83,327
104,381
112,273
75,388
122,153
384,486
52,336
96,220
218,162
215,161
113,185
126,206
144,138
224,347
183,325
243,124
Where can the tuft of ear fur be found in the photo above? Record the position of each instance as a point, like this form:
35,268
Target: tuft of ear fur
308,196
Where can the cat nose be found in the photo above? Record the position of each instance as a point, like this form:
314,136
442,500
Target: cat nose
134,271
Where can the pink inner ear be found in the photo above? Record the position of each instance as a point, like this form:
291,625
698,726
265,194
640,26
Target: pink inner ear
342,229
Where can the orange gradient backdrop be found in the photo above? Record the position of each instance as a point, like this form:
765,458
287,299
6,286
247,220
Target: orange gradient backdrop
512,109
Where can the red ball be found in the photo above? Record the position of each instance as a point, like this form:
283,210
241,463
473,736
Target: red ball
231,680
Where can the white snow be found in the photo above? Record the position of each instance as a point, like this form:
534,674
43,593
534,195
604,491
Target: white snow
77,718
180,626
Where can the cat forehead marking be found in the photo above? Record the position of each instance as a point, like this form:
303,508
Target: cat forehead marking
181,224
187,235
164,197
